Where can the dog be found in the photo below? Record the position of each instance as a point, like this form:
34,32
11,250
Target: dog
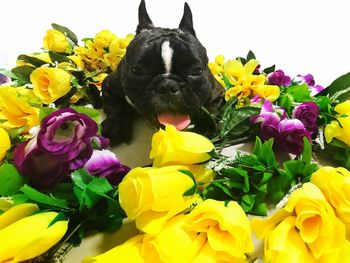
163,76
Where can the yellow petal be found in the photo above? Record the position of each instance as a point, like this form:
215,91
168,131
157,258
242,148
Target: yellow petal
16,213
5,143
332,130
343,108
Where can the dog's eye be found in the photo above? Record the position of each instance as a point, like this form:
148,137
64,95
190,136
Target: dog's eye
137,70
196,71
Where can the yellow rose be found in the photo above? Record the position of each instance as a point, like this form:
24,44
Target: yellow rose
268,92
227,230
50,84
151,196
305,230
117,49
15,109
170,146
104,38
129,251
99,79
5,143
202,175
26,236
56,41
340,129
335,185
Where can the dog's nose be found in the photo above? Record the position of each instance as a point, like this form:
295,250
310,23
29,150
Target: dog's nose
167,86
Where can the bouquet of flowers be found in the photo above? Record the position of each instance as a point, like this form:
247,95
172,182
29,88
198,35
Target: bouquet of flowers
59,181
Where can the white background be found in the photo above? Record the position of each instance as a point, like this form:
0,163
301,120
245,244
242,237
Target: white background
300,36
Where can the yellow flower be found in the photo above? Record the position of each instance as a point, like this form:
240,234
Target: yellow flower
202,175
340,129
117,50
170,146
151,196
50,84
335,185
268,92
104,38
78,62
237,72
17,212
15,109
305,230
5,143
30,236
129,251
56,41
99,79
227,230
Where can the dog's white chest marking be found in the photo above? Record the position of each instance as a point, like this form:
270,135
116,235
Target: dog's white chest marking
167,55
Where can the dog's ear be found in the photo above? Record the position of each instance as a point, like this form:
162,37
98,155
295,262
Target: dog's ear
144,21
186,23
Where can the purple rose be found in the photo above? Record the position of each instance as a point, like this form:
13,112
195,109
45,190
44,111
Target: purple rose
62,144
4,79
104,163
307,113
291,134
279,78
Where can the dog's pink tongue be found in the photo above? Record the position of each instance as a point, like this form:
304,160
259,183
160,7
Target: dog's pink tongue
178,120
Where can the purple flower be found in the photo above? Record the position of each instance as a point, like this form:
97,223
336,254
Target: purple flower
307,113
62,144
104,163
279,78
4,79
310,81
291,134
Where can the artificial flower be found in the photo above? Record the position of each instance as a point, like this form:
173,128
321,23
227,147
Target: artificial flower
307,113
171,146
117,50
91,54
227,230
4,79
97,80
104,38
43,56
310,82
50,84
104,163
63,143
279,78
5,143
291,134
30,236
217,69
202,175
129,251
17,212
335,186
305,230
151,196
339,129
15,110
268,92
55,40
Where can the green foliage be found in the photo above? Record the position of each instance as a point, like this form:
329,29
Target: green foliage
31,60
66,31
339,89
10,180
22,74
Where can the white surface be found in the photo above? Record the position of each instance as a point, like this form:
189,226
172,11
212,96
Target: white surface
300,36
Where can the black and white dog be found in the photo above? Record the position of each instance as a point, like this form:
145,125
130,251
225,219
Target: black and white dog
163,76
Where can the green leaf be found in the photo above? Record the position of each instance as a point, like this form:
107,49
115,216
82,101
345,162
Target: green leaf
56,57
22,73
300,93
59,217
191,191
189,174
269,69
66,31
223,188
31,60
307,151
44,111
286,101
92,113
10,180
265,152
247,202
250,55
42,198
341,87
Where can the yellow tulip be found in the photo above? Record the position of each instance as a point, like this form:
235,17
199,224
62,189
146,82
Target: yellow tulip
335,185
56,41
151,196
305,230
15,109
129,251
5,143
340,129
170,146
50,84
30,236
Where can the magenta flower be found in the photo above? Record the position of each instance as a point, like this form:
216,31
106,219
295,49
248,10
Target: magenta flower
104,163
279,78
62,144
307,113
291,134
4,79
310,81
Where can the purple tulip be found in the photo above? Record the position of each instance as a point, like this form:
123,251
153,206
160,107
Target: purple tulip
291,134
279,78
62,144
4,79
307,113
104,163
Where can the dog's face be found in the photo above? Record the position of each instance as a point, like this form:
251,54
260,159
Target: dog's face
164,76
164,73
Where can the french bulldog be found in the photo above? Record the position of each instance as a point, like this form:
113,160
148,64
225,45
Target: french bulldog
163,76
